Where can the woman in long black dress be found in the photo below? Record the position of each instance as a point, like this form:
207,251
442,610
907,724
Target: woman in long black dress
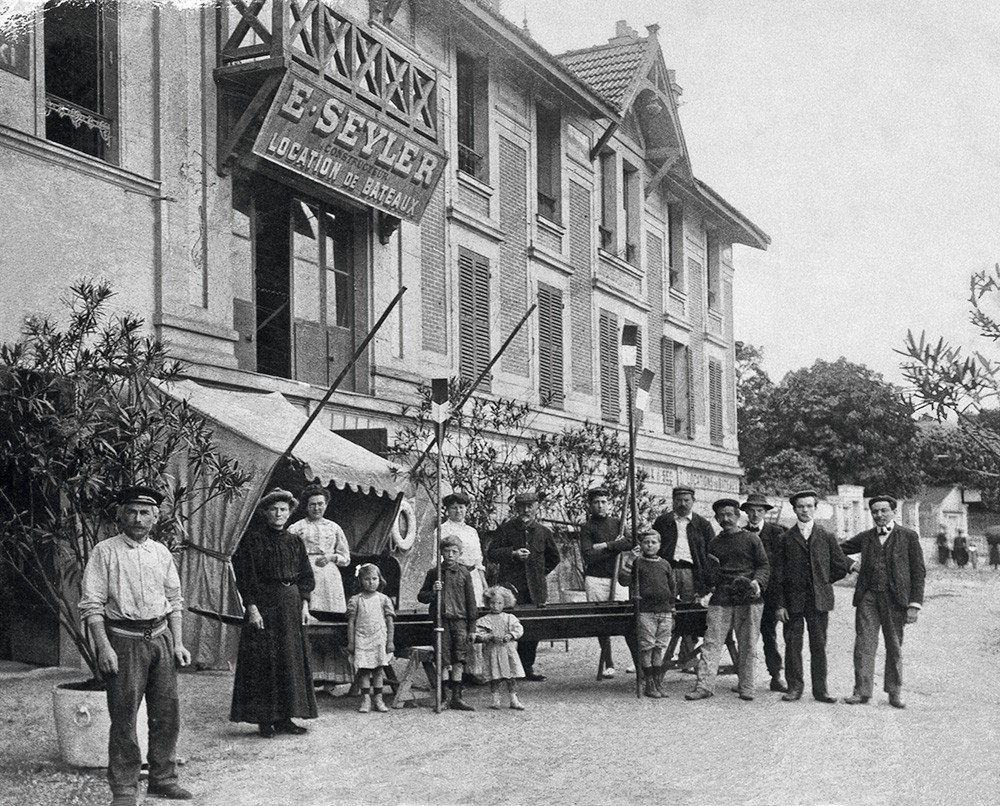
273,575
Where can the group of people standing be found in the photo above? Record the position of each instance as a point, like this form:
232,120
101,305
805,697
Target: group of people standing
758,575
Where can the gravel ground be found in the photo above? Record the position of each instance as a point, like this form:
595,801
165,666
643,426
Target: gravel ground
583,741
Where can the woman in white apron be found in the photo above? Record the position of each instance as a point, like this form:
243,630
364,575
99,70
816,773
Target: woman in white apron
328,550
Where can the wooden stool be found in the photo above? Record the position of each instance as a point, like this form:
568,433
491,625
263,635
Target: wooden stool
417,657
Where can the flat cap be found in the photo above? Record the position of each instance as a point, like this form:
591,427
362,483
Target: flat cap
140,494
756,500
725,502
457,497
883,497
526,498
802,494
682,491
597,492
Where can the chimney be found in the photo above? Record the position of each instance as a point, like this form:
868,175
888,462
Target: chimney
623,34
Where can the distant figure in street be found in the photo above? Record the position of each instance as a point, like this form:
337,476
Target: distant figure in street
526,553
771,535
806,565
600,547
370,620
888,595
458,615
994,553
132,607
653,579
960,550
737,568
273,680
498,632
941,541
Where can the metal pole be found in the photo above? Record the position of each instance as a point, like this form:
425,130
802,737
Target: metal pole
475,384
438,621
629,383
343,374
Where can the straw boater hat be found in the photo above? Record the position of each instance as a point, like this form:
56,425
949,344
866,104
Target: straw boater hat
755,500
277,494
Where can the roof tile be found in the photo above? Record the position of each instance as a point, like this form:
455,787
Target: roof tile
608,69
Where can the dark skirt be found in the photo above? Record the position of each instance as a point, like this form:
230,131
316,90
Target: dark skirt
273,679
943,553
994,553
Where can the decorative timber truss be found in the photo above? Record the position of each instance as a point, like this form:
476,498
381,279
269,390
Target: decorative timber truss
260,39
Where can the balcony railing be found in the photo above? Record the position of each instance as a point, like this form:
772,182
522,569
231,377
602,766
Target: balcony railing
270,32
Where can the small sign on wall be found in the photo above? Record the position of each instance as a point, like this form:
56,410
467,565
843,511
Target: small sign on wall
15,49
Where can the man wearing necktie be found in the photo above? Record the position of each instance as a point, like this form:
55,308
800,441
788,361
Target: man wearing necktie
806,565
888,595
771,535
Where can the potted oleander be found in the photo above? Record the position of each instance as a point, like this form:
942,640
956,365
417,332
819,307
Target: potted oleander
82,415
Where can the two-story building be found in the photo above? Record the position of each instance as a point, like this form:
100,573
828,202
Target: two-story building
260,179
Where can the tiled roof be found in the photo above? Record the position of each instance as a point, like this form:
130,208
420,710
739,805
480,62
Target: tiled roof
608,69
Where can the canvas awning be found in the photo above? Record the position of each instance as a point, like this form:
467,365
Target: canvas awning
254,429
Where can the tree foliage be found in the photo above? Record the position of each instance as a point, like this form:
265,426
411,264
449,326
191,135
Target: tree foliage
856,427
491,453
82,416
753,392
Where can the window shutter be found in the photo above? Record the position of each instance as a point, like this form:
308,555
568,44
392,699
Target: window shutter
473,316
715,401
667,385
610,394
689,387
550,346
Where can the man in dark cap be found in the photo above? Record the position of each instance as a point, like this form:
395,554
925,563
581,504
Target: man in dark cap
526,553
770,535
806,565
601,541
684,538
888,595
737,570
131,599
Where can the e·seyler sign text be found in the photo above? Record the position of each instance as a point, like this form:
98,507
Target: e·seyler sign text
348,148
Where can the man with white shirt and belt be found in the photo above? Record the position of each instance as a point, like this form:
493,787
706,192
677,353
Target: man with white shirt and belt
889,594
133,609
684,538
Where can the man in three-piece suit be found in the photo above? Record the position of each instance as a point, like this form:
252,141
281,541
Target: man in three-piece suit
807,563
889,594
770,535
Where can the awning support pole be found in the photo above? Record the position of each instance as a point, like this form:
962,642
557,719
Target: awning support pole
343,374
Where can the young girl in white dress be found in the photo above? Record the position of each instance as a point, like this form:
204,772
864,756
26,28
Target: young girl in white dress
498,632
370,617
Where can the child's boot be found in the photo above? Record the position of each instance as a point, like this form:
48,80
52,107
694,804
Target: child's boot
366,702
495,690
515,703
379,703
659,672
649,688
457,703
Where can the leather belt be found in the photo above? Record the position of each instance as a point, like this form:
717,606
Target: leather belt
137,630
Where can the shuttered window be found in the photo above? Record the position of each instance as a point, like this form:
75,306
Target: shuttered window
715,401
667,385
610,394
676,368
550,346
473,316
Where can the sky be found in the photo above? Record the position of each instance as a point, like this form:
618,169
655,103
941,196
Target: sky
863,137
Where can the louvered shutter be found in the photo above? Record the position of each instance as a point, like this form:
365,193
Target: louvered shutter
689,390
473,316
610,394
667,385
715,401
550,346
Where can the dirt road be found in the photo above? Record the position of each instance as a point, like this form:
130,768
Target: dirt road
583,741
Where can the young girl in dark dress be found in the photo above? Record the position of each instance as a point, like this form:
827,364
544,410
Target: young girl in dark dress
273,681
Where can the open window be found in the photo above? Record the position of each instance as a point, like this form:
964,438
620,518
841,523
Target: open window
81,76
548,125
472,95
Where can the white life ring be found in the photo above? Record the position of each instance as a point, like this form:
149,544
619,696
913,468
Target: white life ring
404,527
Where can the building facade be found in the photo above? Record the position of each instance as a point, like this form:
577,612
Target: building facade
260,180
